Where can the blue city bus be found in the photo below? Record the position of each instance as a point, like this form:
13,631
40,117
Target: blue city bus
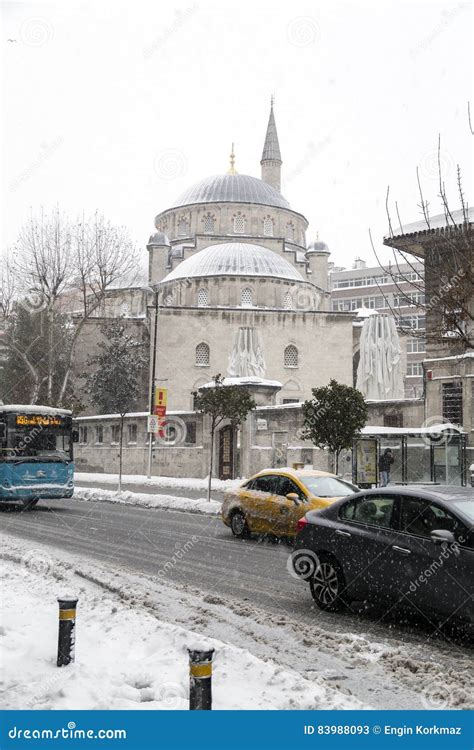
36,454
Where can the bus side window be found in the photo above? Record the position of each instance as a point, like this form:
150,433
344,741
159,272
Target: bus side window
3,430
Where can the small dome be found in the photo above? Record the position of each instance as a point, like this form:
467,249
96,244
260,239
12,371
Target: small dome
317,247
231,188
235,259
159,238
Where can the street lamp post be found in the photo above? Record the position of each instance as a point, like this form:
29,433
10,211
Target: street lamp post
153,377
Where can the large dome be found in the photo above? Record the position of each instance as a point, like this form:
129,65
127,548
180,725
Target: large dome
235,259
231,188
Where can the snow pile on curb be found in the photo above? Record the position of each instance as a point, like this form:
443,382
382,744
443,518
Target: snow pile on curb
165,502
126,658
188,483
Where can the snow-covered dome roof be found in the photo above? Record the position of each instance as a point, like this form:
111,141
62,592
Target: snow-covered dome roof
318,247
159,238
235,259
231,188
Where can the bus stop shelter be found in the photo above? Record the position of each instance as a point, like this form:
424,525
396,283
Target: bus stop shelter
423,455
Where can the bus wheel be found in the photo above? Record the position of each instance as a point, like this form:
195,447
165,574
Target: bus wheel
29,504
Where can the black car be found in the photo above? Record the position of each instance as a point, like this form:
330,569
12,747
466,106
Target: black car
404,546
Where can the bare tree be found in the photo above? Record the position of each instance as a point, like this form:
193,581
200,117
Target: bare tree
61,270
446,293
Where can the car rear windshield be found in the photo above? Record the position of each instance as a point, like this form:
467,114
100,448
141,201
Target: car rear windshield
328,486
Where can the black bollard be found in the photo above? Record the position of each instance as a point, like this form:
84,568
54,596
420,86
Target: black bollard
67,630
200,679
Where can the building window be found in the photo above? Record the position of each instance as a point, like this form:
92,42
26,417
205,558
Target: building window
99,434
239,224
290,401
268,226
291,356
415,346
115,440
190,433
183,228
132,434
203,298
452,402
414,370
202,355
246,297
208,222
393,420
290,231
83,435
288,301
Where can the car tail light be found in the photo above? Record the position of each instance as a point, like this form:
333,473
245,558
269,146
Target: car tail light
301,524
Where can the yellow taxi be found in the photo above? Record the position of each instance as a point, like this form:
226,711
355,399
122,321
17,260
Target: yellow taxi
273,501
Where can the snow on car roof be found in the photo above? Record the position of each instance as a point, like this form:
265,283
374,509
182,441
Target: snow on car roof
33,409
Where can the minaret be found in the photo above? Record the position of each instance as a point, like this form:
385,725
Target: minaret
271,157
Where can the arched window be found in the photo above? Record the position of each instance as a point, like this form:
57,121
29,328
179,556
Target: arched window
183,227
202,355
239,224
290,358
290,231
288,303
268,226
208,222
203,298
246,299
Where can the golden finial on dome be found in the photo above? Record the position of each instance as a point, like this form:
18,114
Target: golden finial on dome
232,169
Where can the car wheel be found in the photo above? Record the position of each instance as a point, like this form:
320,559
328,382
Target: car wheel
239,526
327,585
29,504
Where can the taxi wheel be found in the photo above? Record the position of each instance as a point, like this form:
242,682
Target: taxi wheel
239,526
29,504
327,585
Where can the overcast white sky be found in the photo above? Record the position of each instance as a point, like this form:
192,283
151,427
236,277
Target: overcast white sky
121,105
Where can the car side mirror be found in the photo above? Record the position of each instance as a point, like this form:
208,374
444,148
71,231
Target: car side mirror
442,536
75,436
293,496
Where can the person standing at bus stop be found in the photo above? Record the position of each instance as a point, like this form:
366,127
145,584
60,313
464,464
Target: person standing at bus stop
385,463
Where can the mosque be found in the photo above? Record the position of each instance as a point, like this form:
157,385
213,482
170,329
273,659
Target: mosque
240,292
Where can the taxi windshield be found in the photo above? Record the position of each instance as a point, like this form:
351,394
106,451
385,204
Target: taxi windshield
328,486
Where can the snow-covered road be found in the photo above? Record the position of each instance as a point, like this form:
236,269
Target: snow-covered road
241,593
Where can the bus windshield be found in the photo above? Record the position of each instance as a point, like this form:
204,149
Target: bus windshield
35,437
